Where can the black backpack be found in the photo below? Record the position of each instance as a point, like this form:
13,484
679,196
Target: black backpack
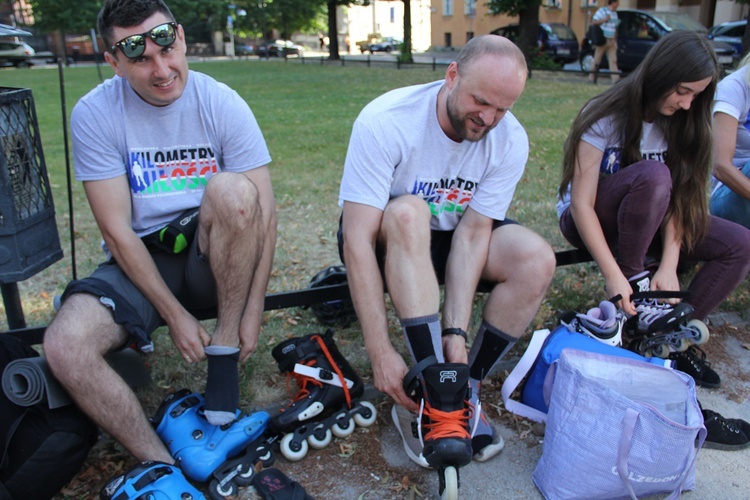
40,449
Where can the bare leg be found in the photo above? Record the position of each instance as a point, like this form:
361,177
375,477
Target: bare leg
409,274
75,344
231,237
522,264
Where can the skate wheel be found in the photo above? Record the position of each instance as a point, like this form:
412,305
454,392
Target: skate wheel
320,438
293,451
701,328
367,416
267,459
451,484
245,476
683,345
661,351
217,492
343,427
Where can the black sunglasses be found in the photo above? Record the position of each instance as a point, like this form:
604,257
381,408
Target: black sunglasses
134,46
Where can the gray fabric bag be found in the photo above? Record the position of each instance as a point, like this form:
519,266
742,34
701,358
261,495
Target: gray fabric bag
618,428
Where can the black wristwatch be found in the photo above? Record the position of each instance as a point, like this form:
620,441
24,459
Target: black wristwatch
455,331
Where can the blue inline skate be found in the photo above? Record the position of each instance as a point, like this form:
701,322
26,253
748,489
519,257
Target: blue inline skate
224,454
153,481
326,403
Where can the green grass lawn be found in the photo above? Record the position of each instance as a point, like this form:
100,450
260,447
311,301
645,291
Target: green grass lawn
306,113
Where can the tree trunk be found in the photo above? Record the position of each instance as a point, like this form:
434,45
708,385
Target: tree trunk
333,32
406,52
528,29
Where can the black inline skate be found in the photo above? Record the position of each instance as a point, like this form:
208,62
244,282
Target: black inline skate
659,328
443,422
326,403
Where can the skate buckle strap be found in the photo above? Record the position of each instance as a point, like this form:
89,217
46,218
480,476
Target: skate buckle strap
411,379
659,294
322,375
335,366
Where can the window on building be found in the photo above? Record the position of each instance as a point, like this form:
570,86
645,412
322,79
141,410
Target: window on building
552,4
447,7
393,14
470,7
469,36
448,40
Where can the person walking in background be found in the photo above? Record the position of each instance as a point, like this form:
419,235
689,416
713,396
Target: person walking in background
606,18
730,197
652,204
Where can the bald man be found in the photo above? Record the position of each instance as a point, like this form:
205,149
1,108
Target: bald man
429,175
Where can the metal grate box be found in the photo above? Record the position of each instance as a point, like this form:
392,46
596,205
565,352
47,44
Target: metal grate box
29,241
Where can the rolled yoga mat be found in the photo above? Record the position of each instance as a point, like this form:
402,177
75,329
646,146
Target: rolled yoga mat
29,381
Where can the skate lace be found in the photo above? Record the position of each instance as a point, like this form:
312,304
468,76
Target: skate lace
447,424
303,380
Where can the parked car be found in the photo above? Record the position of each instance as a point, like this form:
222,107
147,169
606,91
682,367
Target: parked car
554,39
243,50
16,54
280,48
638,31
388,44
730,32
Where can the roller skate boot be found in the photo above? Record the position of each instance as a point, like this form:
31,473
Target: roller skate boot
152,480
659,328
225,455
326,403
443,422
603,323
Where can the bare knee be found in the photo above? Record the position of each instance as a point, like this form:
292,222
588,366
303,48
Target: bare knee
83,329
406,218
230,198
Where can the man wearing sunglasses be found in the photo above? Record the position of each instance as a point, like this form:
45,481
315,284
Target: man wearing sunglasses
153,145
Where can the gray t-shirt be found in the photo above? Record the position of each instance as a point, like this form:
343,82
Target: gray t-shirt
397,147
169,152
606,137
733,98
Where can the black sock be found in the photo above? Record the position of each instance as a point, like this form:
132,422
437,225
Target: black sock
222,385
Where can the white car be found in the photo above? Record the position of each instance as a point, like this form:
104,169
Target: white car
16,54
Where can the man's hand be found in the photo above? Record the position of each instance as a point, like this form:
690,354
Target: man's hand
248,342
189,337
388,374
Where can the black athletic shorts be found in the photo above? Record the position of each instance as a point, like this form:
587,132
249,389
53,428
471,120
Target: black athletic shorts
440,247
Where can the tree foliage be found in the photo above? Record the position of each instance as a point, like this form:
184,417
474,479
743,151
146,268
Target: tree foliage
528,20
65,16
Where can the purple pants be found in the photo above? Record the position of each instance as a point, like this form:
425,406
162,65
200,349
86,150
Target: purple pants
631,205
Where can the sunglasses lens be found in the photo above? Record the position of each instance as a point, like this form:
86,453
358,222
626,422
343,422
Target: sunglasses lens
163,35
135,45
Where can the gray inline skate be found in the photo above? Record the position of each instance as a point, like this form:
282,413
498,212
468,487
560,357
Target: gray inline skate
659,328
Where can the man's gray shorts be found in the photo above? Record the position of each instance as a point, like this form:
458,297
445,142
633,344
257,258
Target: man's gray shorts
188,275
